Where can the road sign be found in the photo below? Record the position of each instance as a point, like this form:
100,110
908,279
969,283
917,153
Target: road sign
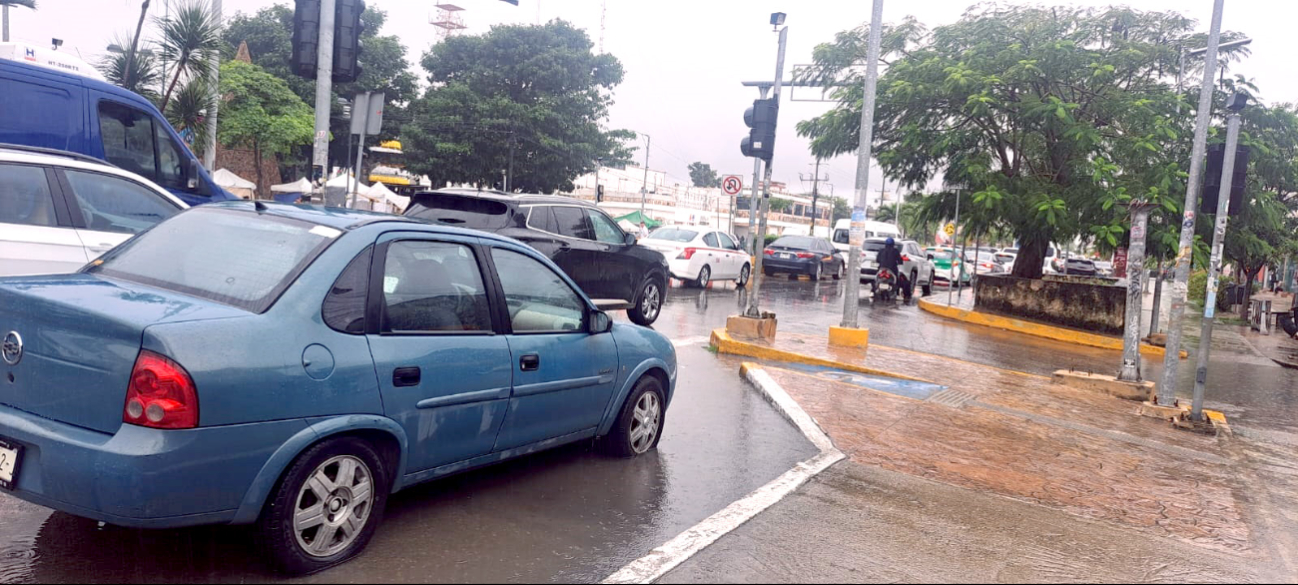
732,184
949,229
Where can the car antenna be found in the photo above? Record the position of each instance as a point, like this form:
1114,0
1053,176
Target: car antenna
260,207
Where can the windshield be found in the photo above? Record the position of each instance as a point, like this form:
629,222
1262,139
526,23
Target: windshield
872,246
842,237
800,242
239,259
942,254
673,235
460,211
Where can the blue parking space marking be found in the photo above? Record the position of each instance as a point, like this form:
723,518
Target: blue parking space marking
907,388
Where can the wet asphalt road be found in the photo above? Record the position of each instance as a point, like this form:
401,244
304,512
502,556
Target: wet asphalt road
575,516
570,515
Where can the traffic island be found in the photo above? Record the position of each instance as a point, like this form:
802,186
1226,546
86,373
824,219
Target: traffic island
849,337
1056,333
1214,422
1105,384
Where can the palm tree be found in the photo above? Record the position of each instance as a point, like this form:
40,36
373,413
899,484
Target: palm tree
190,38
139,74
188,112
6,4
129,66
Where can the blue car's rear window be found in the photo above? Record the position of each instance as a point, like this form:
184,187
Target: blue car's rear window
241,259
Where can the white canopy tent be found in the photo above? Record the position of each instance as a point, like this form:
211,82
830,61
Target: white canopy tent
385,200
290,192
233,183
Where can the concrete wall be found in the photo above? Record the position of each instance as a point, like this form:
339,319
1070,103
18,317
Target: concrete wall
1089,307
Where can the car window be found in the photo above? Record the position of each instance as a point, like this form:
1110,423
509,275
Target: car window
541,218
464,211
25,196
727,242
171,160
605,230
872,246
128,139
240,259
572,222
711,240
433,287
113,204
841,236
539,300
344,306
801,242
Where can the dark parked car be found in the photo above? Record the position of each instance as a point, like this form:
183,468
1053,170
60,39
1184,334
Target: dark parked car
802,255
584,241
1080,267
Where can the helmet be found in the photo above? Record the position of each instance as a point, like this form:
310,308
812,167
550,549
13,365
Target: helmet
890,242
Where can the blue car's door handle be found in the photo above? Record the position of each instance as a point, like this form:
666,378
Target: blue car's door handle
530,362
405,376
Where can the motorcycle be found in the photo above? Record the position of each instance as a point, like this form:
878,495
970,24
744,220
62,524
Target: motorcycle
885,285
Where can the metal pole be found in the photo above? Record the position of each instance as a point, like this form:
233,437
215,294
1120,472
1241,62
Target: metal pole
360,154
1130,369
951,284
6,23
644,188
758,275
1167,388
1214,265
754,204
323,93
851,296
815,193
1158,296
209,153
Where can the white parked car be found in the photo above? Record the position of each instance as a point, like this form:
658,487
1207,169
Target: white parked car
915,264
60,210
698,256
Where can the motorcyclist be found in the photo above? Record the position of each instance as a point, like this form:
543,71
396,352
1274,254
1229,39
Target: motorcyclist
889,259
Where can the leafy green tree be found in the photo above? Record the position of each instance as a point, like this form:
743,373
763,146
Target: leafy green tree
1046,119
144,74
702,175
384,67
187,113
841,210
528,98
779,205
261,112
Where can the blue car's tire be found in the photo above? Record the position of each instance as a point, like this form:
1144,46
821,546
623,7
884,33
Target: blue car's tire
640,423
325,508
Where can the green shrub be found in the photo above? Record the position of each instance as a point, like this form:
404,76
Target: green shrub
1198,285
770,238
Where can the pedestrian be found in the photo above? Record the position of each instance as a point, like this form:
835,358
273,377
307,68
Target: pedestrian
644,231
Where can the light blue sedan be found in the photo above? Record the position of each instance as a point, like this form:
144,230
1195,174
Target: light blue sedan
292,366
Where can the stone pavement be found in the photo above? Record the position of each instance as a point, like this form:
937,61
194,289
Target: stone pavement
1086,457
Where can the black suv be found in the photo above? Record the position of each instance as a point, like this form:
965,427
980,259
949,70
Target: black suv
585,242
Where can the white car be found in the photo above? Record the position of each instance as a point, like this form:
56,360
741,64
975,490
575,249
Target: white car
915,264
698,256
60,210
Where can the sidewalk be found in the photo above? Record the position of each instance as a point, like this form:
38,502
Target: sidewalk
1070,481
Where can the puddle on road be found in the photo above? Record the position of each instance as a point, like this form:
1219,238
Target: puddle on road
897,386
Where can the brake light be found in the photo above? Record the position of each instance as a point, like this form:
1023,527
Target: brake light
905,258
768,252
161,394
805,255
687,253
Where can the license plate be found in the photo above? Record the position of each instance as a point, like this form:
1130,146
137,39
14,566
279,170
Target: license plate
11,454
783,255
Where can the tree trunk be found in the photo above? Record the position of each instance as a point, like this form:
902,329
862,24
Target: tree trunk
256,153
180,66
1248,289
135,43
1031,259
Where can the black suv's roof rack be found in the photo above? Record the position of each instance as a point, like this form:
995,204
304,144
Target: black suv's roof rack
55,152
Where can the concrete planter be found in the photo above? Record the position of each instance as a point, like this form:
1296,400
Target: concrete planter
741,327
1077,302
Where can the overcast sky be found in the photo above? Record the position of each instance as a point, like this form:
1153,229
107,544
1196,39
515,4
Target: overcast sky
685,59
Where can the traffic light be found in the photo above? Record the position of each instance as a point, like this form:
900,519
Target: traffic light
761,117
1212,180
306,37
348,27
599,193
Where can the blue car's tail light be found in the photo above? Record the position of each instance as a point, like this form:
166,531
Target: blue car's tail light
161,394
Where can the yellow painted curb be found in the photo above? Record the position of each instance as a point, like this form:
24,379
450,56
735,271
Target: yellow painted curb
849,337
1037,329
726,344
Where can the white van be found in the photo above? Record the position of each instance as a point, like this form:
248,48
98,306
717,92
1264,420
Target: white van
873,229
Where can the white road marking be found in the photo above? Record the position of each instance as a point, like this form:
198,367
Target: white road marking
688,341
660,560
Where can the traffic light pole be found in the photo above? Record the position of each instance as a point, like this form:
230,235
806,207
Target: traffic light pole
851,298
758,274
1180,286
209,149
323,90
754,205
1214,265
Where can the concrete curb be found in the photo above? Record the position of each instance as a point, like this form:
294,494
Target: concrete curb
727,344
1037,329
659,561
